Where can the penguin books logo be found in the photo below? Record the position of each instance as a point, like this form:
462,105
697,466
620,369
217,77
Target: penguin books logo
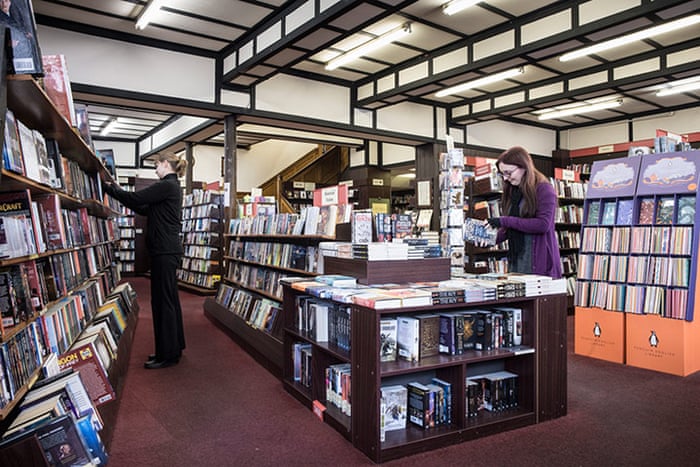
596,329
653,339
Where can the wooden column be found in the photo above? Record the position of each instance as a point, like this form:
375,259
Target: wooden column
230,166
189,157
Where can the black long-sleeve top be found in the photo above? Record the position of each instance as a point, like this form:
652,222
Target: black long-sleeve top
161,203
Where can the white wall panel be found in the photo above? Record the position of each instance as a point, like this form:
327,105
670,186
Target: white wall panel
597,135
546,27
408,118
396,153
503,135
277,156
207,163
597,9
120,65
298,96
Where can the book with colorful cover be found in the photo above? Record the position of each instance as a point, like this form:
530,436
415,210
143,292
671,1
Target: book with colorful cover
593,212
478,232
625,210
686,210
646,211
609,210
12,149
665,210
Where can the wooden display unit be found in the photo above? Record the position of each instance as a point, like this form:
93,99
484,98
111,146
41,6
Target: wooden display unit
540,364
384,272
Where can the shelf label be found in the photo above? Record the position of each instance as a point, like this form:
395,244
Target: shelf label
606,149
300,185
377,182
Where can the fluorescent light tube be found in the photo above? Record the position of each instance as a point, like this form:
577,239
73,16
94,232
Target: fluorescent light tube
111,126
580,109
456,6
636,36
677,87
481,82
369,46
148,13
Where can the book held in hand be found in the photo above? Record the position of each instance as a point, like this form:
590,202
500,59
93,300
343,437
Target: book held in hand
477,232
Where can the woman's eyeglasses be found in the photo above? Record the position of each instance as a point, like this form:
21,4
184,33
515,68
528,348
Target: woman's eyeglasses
508,173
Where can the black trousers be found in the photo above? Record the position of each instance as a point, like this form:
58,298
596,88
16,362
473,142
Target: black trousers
165,305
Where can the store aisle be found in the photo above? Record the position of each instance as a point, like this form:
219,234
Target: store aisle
218,407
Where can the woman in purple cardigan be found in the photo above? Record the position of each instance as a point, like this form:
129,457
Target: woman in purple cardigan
530,202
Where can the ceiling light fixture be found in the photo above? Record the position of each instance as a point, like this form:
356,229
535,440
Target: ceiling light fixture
369,46
683,85
148,12
629,38
455,6
481,82
110,127
580,109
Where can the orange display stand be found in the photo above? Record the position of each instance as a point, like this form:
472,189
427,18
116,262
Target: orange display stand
600,334
662,344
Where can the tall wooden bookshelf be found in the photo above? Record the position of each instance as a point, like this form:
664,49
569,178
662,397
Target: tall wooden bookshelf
202,236
85,259
126,222
540,364
636,289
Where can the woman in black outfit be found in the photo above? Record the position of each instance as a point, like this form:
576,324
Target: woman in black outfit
161,203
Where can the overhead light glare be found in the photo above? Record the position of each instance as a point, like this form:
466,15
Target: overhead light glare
677,87
481,82
581,109
629,38
111,126
148,13
456,6
369,46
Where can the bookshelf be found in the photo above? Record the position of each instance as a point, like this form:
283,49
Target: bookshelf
540,365
72,230
249,295
638,264
142,263
482,201
202,235
126,223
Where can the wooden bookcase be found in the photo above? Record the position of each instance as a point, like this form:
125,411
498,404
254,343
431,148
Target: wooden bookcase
202,235
482,201
126,251
32,106
541,366
253,264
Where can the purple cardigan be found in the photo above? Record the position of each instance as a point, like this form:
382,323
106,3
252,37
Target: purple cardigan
545,248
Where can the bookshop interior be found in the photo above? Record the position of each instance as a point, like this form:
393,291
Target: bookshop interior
343,295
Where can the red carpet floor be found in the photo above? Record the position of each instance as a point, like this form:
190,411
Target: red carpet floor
218,407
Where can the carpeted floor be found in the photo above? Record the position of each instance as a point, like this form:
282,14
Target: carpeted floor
218,407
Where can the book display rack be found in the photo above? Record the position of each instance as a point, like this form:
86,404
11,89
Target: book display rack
202,235
57,268
321,370
636,286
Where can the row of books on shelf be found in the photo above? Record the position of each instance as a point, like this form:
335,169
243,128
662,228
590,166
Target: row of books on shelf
659,270
200,211
426,246
32,224
569,238
201,224
206,266
125,255
28,287
484,208
630,298
201,251
312,220
569,214
28,153
263,280
60,411
323,321
282,255
259,312
429,404
93,315
569,189
678,209
415,337
198,279
212,239
203,197
477,288
653,240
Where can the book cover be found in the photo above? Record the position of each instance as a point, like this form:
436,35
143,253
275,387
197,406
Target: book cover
609,211
85,360
478,232
646,211
408,338
107,158
686,210
593,212
625,210
12,150
30,156
83,124
26,54
665,210
395,398
57,85
418,404
52,220
388,334
429,335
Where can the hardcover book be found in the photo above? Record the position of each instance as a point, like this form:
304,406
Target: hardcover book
593,212
429,335
408,338
388,334
646,211
665,210
12,150
477,232
608,217
57,85
395,398
625,209
686,209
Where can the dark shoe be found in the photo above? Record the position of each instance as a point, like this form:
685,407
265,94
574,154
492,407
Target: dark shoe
155,364
151,358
